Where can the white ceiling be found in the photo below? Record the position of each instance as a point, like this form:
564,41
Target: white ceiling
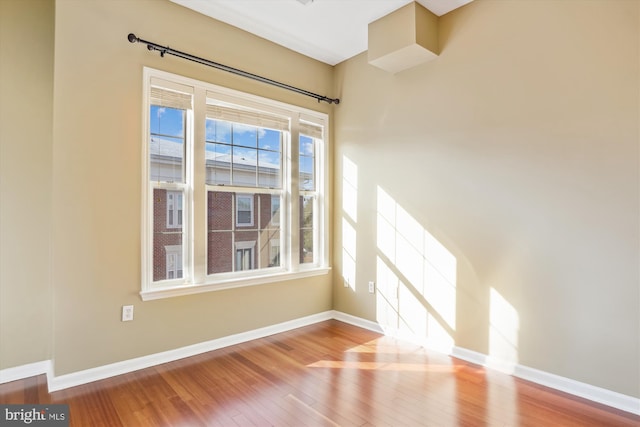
327,30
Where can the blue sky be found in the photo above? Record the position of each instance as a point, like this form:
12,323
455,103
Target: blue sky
252,143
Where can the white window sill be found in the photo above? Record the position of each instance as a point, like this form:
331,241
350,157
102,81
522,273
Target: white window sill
188,289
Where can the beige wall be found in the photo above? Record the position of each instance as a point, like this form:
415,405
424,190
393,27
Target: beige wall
518,151
514,155
26,114
96,180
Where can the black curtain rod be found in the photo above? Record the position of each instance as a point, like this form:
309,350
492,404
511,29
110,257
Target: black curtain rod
166,49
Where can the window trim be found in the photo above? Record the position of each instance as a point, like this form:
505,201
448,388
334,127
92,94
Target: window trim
195,278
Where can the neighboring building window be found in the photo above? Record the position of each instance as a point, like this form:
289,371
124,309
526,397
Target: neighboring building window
174,209
173,261
230,155
244,256
244,210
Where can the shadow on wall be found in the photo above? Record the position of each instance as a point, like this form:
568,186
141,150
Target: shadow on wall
417,291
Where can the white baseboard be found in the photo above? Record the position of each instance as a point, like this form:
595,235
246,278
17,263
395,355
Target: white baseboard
567,385
118,368
25,371
587,391
358,321
577,388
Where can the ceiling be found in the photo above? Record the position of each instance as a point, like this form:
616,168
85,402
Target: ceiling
327,30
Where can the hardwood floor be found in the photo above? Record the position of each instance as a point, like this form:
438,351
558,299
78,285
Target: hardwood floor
327,374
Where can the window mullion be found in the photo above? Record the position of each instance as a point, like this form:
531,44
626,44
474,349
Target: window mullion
197,244
294,207
234,220
258,224
243,190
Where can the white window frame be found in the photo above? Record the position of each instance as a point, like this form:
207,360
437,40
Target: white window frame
194,229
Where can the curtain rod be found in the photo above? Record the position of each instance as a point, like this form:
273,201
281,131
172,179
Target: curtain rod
166,49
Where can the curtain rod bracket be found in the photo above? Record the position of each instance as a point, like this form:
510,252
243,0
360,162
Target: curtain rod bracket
166,49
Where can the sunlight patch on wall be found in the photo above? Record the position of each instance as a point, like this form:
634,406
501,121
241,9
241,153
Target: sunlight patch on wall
350,188
349,220
387,296
416,277
348,254
503,333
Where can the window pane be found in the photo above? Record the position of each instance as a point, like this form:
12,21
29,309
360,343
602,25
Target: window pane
269,139
244,217
167,241
174,262
244,166
167,121
269,169
243,155
218,131
175,208
245,245
269,158
167,144
271,251
220,232
244,203
269,238
218,152
306,173
245,135
275,211
218,163
306,146
307,163
244,210
306,229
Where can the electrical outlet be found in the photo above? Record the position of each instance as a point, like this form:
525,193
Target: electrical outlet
127,313
372,287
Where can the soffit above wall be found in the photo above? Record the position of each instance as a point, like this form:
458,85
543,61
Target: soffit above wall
330,31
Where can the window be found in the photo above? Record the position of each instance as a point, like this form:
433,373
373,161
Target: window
174,209
310,137
244,210
234,189
173,261
244,256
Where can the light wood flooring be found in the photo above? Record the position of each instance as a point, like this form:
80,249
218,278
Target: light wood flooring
327,374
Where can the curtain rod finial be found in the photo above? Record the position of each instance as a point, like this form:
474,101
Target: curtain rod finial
132,38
